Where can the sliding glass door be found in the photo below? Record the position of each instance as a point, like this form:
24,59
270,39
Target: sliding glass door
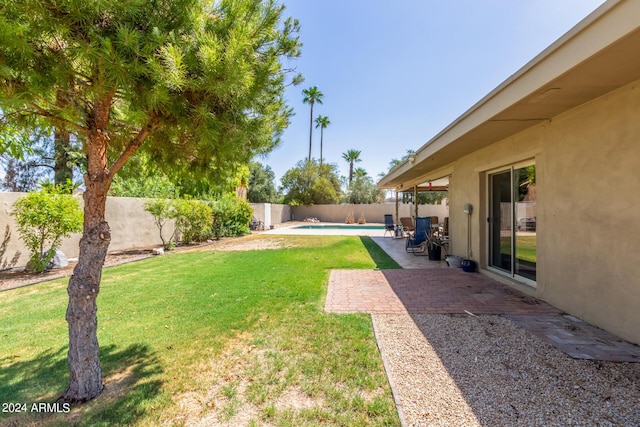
501,221
512,221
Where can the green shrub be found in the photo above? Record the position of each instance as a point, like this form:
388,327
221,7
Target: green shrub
196,221
44,217
162,210
231,217
193,220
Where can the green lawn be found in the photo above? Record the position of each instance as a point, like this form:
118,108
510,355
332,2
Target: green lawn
237,337
526,247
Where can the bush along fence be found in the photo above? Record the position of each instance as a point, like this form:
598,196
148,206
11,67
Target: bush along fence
44,218
139,223
197,220
132,225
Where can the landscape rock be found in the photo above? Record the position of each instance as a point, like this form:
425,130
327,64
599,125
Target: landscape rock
59,260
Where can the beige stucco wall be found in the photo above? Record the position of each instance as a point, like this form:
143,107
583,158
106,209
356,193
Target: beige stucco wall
131,227
277,213
373,213
588,210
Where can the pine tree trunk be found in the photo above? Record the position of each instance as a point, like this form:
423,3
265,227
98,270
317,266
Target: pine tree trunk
61,147
85,381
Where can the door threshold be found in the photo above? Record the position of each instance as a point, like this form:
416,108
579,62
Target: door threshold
510,281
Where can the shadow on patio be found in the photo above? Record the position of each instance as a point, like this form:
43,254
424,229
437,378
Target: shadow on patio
461,347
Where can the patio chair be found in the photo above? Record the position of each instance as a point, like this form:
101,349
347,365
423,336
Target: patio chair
417,241
407,225
389,226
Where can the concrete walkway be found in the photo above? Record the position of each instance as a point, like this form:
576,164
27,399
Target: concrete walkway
429,287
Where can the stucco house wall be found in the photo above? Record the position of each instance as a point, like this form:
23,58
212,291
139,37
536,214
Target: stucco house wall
587,180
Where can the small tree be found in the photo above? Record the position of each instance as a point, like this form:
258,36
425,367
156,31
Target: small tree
309,184
44,217
262,188
162,211
363,190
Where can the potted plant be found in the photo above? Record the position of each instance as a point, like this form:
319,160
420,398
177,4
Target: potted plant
434,247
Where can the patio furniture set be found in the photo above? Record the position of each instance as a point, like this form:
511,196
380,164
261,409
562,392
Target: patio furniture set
425,236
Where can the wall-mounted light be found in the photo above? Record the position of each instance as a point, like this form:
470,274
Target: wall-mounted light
412,159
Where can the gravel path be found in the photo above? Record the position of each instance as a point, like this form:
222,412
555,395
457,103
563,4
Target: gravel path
486,371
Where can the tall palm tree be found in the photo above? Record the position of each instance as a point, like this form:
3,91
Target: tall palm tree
311,96
351,156
322,122
359,173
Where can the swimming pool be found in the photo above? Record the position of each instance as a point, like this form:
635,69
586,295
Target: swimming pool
340,227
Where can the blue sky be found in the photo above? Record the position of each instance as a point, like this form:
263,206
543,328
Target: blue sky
394,74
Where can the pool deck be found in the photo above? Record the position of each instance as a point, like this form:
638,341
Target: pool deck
424,286
354,230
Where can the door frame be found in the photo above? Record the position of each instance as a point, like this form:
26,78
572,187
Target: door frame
489,212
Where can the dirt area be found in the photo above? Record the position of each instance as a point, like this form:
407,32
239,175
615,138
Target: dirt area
10,279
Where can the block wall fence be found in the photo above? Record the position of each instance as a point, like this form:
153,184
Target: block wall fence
132,227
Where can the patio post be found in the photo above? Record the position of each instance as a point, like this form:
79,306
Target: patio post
397,219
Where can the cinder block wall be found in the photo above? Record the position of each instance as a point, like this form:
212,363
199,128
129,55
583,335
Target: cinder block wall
131,227
373,213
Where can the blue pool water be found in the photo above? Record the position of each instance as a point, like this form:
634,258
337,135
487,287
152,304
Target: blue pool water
341,227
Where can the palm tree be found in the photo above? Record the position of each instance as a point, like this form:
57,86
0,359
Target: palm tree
322,122
351,156
359,173
311,96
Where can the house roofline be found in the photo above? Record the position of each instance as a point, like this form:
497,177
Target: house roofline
508,109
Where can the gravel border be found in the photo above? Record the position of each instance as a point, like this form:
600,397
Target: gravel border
486,371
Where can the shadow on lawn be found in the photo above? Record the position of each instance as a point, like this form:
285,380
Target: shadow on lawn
378,255
130,375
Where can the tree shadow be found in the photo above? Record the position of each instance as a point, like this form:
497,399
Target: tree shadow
382,260
6,263
131,377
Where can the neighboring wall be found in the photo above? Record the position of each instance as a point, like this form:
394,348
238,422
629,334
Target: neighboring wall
372,213
587,181
131,227
271,214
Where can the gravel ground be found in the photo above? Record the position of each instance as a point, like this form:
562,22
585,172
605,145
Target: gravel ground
486,371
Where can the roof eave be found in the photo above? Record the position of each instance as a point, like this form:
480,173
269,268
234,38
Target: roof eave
529,97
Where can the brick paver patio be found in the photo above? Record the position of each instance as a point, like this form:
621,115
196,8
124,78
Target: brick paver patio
432,289
442,290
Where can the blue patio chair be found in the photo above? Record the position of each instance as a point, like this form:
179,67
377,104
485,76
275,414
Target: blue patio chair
389,226
416,242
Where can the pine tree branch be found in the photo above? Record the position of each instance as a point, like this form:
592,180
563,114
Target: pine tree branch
133,146
46,113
